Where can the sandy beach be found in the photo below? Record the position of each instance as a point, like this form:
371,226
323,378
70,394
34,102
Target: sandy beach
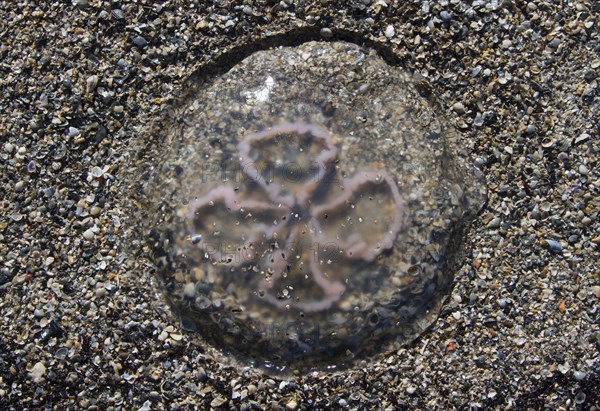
85,322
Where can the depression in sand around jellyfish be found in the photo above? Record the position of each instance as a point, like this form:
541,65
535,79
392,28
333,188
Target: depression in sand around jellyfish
308,206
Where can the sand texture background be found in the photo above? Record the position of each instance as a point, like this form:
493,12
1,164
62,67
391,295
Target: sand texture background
83,323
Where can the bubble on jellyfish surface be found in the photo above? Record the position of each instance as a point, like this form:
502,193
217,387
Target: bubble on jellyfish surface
306,209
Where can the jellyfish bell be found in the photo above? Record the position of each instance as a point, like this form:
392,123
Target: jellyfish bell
323,236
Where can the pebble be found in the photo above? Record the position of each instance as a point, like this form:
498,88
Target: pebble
146,406
118,14
326,33
218,402
390,31
202,376
554,43
459,108
38,371
590,75
61,353
478,121
73,132
494,223
189,290
100,292
89,234
473,297
140,42
446,16
554,246
92,83
96,172
582,138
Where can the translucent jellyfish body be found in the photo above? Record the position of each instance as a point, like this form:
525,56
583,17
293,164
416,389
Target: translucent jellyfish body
307,207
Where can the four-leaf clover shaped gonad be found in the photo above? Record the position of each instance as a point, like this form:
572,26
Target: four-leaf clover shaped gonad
294,226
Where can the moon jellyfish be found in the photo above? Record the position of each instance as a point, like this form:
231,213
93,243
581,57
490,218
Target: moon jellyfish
306,209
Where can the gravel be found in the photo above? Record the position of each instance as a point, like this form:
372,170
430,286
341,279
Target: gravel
84,323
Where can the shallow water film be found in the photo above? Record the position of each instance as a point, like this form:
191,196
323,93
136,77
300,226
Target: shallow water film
306,209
